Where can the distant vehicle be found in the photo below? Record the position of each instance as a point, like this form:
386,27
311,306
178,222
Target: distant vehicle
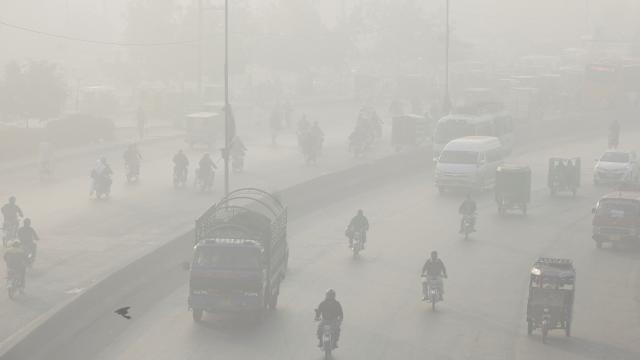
564,175
616,218
240,255
409,130
480,120
616,167
469,163
204,128
551,296
513,188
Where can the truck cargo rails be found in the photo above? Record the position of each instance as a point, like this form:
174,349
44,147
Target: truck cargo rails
240,254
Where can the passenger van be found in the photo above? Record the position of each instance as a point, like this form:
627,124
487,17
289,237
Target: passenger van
480,120
469,163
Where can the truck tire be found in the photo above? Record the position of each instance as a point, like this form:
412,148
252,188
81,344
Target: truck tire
197,315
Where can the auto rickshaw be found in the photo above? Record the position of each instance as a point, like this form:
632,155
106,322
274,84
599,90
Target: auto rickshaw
551,295
205,128
409,130
564,175
513,188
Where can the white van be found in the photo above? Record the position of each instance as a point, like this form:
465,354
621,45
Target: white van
469,163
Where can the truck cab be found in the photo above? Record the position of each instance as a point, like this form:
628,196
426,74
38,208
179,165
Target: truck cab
616,218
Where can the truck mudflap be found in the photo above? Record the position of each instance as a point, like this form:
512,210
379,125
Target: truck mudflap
217,303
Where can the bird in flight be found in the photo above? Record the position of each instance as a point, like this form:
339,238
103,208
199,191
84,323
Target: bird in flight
124,312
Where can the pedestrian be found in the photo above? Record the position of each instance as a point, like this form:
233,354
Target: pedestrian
141,122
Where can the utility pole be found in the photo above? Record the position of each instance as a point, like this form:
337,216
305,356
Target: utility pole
227,108
200,51
447,100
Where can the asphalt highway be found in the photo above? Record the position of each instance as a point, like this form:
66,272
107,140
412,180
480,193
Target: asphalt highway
482,317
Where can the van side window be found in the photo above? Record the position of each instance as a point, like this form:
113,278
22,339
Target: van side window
494,155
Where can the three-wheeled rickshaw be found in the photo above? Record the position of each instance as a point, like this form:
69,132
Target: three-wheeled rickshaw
206,128
564,175
409,130
513,187
551,293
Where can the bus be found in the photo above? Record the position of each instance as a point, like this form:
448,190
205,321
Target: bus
488,119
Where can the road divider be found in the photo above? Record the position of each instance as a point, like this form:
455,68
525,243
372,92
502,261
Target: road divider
157,273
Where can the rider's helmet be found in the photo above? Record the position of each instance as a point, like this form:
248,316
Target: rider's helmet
360,212
12,200
434,254
103,160
331,294
26,222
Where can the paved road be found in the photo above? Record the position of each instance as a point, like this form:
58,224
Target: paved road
482,317
83,240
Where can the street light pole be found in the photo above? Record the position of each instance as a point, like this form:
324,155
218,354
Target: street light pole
227,108
200,51
447,100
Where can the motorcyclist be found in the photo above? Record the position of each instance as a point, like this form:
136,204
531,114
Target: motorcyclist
238,150
11,214
467,209
434,267
206,167
132,158
16,259
359,223
317,137
180,162
27,236
101,173
614,134
329,312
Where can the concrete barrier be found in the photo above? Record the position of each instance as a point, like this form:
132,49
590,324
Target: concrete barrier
52,332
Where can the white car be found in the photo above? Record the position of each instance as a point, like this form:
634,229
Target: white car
615,167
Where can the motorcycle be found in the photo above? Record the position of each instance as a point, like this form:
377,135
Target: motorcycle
179,176
357,243
468,225
432,289
614,140
14,283
328,333
133,171
204,180
102,187
237,162
546,324
10,232
45,170
31,253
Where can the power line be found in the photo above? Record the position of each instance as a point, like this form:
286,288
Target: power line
98,42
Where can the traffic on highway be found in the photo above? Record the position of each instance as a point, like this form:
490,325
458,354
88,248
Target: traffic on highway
276,179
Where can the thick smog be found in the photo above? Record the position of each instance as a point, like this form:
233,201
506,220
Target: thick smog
320,179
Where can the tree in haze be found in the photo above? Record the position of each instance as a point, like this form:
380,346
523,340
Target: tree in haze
296,39
400,35
35,90
157,21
